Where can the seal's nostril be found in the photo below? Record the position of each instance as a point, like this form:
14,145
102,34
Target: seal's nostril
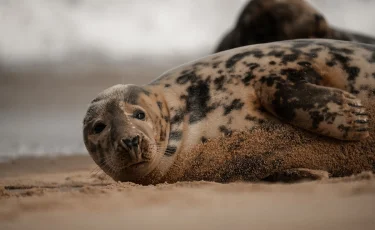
131,142
135,141
127,142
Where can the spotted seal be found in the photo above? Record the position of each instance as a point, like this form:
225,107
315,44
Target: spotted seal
134,131
263,21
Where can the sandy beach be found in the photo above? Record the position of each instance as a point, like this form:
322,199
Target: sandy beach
71,193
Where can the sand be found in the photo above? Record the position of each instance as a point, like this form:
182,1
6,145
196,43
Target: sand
70,193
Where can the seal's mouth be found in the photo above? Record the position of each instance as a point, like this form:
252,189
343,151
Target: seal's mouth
136,158
138,165
130,163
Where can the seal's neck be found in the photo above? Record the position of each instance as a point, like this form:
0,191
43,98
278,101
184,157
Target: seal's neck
172,124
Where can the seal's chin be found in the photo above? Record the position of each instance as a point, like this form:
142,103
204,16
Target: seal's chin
137,165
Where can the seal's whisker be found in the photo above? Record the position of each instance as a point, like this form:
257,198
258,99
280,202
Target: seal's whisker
94,172
95,169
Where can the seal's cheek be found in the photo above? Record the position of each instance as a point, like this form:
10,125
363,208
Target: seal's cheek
90,143
95,142
149,129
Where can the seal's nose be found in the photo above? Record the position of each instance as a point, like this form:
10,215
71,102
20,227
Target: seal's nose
131,143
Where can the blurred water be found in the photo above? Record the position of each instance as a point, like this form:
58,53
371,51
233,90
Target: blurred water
53,30
44,93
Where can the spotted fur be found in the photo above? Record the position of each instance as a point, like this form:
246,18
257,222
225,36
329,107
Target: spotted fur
312,84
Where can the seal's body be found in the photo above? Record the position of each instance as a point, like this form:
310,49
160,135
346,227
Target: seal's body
132,131
263,21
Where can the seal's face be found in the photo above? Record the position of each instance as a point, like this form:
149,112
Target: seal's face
122,132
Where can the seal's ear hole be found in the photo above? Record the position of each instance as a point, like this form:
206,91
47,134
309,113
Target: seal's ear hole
139,114
99,127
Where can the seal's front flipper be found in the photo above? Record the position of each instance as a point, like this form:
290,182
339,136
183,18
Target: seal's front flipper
324,110
296,175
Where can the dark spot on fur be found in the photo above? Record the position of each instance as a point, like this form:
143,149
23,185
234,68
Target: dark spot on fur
246,80
225,130
237,57
352,71
250,118
175,135
304,64
330,63
316,117
311,55
307,74
170,150
162,134
270,80
178,117
167,85
275,53
252,66
197,101
290,57
272,63
235,105
166,118
216,64
204,139
183,79
292,74
219,82
160,105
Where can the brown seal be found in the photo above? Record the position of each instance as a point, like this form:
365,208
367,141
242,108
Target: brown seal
263,21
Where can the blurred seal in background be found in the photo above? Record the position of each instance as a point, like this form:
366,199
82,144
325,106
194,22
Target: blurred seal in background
263,21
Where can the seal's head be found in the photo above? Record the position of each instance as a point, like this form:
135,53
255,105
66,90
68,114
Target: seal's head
125,131
263,21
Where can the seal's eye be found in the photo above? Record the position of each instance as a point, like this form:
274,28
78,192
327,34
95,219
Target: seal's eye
99,127
140,115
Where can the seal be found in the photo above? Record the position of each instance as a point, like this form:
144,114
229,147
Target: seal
133,131
263,21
